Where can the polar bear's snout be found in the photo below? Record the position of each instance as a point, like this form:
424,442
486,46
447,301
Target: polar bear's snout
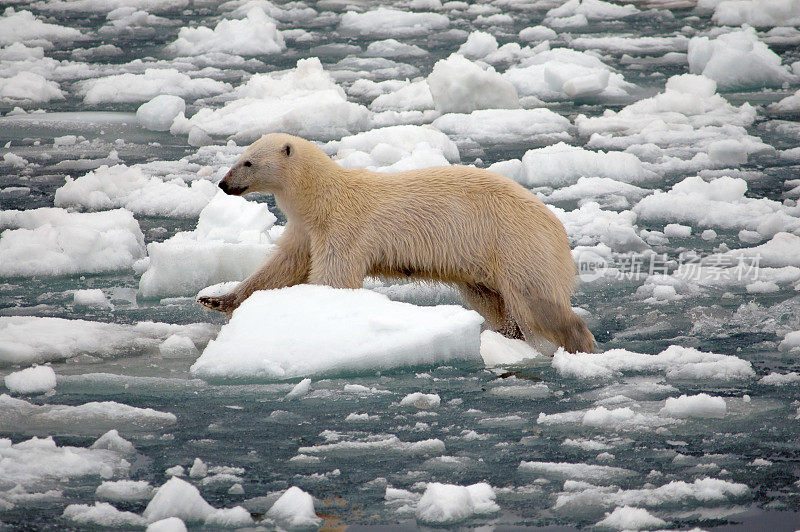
227,188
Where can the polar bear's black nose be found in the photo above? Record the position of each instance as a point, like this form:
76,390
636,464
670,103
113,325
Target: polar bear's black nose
224,186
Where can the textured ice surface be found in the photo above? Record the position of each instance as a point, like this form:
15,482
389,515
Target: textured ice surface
355,330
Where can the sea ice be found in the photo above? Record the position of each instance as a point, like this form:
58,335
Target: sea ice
695,406
460,86
448,504
737,60
629,518
37,379
294,510
29,87
102,514
129,187
135,88
356,330
92,297
757,13
502,126
125,490
52,241
24,27
255,34
159,113
231,240
178,498
32,339
385,22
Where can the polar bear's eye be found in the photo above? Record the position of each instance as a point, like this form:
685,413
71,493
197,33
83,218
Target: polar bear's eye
287,150
248,163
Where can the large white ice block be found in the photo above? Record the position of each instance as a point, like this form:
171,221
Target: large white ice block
308,330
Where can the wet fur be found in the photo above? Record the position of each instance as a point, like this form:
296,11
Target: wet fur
502,247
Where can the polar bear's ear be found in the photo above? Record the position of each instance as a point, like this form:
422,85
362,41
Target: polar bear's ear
287,150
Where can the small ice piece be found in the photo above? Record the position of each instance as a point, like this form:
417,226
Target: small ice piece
294,510
93,297
178,346
460,86
199,469
780,379
112,441
479,44
24,27
29,87
497,350
124,490
592,10
300,389
384,22
629,518
102,514
136,88
175,471
178,498
677,231
38,379
537,33
498,126
708,234
255,34
694,406
51,241
170,524
158,113
790,342
236,489
355,330
790,104
448,504
129,187
762,287
737,60
566,471
756,13
421,401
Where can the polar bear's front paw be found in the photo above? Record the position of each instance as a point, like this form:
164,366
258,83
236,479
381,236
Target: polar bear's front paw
226,303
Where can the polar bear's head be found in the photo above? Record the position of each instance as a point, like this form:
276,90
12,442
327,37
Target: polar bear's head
269,165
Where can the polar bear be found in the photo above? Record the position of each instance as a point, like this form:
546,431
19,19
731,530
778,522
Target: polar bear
499,244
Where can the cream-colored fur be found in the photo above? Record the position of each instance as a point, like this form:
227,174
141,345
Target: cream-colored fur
504,249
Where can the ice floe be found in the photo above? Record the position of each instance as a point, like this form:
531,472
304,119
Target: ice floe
356,330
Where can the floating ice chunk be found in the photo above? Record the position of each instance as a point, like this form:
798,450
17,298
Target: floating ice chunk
392,48
737,60
159,113
299,390
170,524
562,73
15,160
104,6
88,418
304,101
384,22
677,231
30,339
790,342
29,87
562,164
102,514
629,518
49,241
604,190
790,104
501,126
376,445
447,504
125,490
632,45
497,350
357,330
40,462
762,287
178,498
230,242
593,10
38,379
460,86
572,22
721,203
479,44
178,346
93,297
589,225
24,27
676,362
112,441
256,34
395,149
783,249
129,187
199,469
421,401
780,379
134,88
676,493
537,33
564,471
757,13
294,510
695,406
410,97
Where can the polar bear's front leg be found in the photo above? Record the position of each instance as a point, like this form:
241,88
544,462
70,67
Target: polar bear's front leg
339,267
286,266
